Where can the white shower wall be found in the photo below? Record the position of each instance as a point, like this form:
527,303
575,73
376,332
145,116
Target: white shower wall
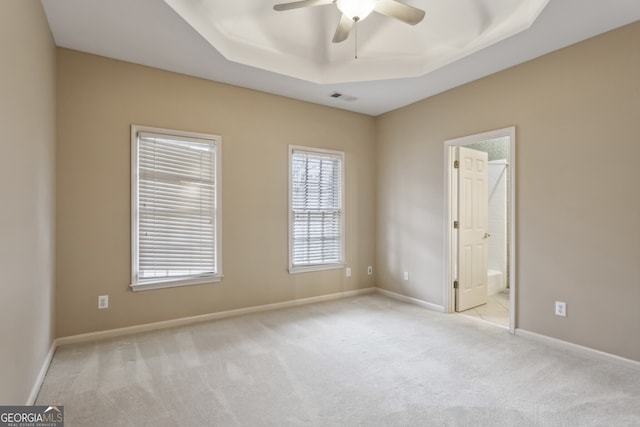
497,186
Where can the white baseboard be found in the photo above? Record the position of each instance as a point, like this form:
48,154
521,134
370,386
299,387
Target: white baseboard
586,351
411,300
31,400
147,327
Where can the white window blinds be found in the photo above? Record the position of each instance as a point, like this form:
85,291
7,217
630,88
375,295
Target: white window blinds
316,199
176,207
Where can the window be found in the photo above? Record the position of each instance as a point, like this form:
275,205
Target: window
316,215
175,208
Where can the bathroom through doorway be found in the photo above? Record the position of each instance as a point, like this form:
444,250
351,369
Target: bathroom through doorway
480,226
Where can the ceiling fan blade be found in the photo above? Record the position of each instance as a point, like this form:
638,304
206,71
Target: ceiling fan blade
300,4
403,12
343,30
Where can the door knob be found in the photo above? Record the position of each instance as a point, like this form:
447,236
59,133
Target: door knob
486,236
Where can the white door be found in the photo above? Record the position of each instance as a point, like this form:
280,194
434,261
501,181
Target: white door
472,228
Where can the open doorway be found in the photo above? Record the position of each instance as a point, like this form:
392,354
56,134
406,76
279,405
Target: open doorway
480,240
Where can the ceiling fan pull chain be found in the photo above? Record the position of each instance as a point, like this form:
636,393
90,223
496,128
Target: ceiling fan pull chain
356,35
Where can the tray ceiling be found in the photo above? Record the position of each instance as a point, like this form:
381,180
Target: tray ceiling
151,33
297,43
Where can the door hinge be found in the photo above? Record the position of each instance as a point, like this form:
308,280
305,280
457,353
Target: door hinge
456,164
456,224
455,284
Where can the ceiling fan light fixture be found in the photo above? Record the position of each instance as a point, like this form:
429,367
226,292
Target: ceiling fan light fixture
356,10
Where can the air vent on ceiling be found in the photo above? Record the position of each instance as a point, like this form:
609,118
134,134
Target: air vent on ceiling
342,96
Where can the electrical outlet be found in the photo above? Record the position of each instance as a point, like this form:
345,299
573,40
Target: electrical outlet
406,275
370,270
561,308
347,272
103,302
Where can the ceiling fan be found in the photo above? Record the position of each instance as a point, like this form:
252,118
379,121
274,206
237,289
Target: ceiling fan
357,10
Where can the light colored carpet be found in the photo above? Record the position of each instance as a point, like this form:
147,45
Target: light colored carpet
363,361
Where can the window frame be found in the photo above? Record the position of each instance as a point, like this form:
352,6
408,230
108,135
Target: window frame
317,267
168,282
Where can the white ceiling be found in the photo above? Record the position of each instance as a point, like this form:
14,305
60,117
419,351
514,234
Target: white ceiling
298,43
150,32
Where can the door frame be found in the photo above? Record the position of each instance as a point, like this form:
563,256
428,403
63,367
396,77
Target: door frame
450,204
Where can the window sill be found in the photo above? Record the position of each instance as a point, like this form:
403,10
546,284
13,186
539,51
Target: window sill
162,284
307,269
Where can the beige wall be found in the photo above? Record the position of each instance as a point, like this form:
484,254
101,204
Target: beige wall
577,118
577,113
99,100
27,123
